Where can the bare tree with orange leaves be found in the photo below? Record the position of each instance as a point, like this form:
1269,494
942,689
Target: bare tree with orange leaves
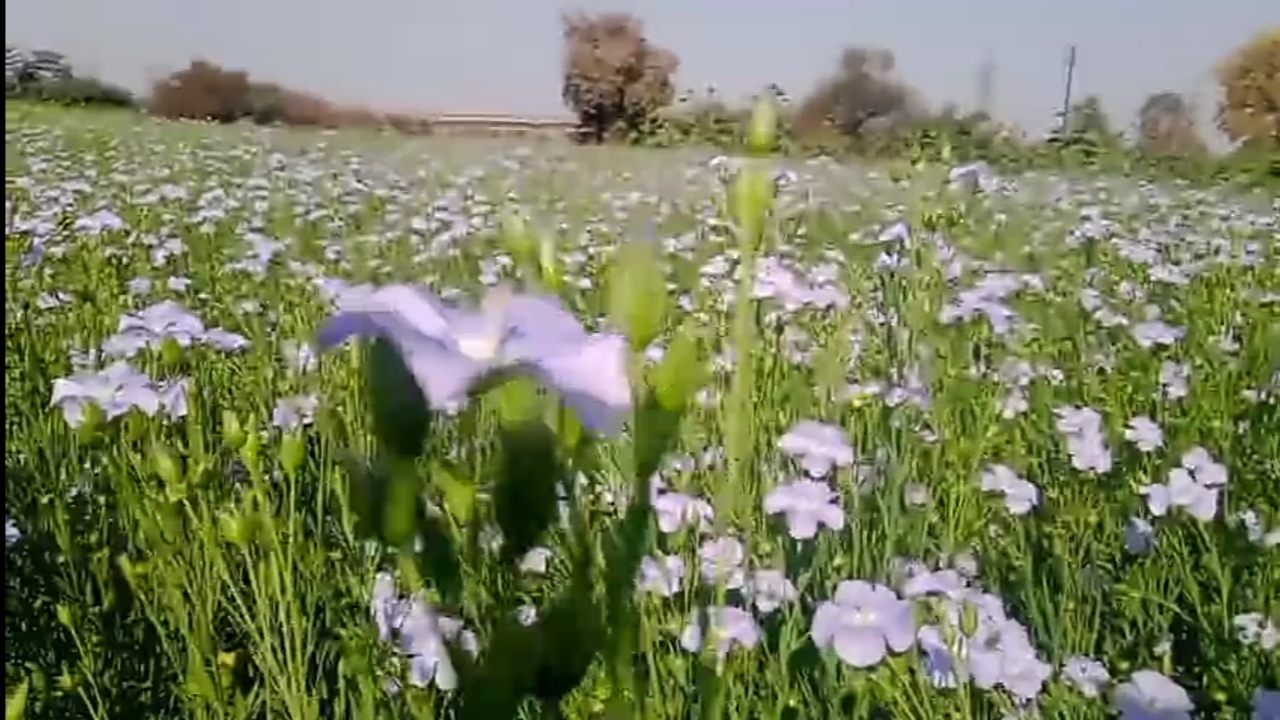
614,78
1249,108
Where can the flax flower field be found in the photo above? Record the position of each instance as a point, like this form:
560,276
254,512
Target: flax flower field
305,425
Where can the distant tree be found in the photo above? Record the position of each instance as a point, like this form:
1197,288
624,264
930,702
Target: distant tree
203,91
47,76
1166,126
1089,117
614,78
863,98
1249,105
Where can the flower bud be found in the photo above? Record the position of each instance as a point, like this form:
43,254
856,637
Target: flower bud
762,133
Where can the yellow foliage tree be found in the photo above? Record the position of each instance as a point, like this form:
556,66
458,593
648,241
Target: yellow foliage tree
1249,107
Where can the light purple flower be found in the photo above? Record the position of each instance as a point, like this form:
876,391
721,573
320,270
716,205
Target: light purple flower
1184,490
728,627
139,286
939,660
1203,468
527,614
1001,653
807,504
225,340
173,397
1144,433
535,561
1154,332
721,562
1020,496
300,357
1266,704
768,590
450,349
1254,628
115,390
1139,536
819,447
1086,675
150,328
291,413
676,510
971,178
662,575
1174,378
946,582
424,639
1086,438
386,606
863,622
1148,695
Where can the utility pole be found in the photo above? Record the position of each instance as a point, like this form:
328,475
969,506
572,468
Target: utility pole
1066,92
986,85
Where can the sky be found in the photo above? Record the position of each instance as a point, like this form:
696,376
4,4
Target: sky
504,56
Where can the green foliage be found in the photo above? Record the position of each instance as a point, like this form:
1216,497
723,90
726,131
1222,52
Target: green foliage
73,91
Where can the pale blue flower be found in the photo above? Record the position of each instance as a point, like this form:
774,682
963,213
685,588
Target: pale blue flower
1020,496
151,327
768,590
1148,695
721,562
676,511
727,628
115,390
819,447
1139,536
1266,704
1086,674
291,413
863,622
450,349
535,561
1144,433
662,575
806,504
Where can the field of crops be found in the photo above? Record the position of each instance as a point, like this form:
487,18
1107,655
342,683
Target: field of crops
305,425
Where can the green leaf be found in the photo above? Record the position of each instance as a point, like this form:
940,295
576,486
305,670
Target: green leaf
518,400
459,495
166,465
401,417
525,497
572,626
15,702
762,132
681,373
365,490
293,452
402,505
638,297
440,559
657,427
497,688
751,199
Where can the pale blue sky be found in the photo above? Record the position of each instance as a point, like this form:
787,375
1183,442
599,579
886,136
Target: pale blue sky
505,55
